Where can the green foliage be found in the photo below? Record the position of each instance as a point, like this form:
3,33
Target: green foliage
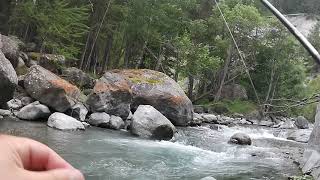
193,59
231,107
59,26
309,111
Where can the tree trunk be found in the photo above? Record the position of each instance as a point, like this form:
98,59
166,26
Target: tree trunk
127,55
141,59
225,71
5,11
106,54
83,56
271,82
159,61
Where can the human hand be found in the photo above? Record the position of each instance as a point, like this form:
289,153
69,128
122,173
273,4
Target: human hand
25,159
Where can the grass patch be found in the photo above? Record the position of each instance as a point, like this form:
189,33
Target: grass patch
230,107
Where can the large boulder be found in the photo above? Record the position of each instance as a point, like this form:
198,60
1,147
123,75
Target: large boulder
302,123
311,156
50,89
241,139
234,91
14,104
299,135
10,48
141,87
288,124
34,111
78,77
111,94
116,123
99,119
8,80
64,122
149,123
52,62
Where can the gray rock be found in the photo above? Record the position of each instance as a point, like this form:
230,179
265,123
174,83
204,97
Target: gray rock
254,115
20,63
21,80
311,163
311,156
11,48
50,89
117,90
162,92
8,80
78,77
5,112
127,125
299,135
234,91
64,122
1,117
238,115
34,111
208,178
241,139
116,123
24,57
85,124
14,104
210,118
288,124
26,100
302,123
112,95
198,109
130,116
266,123
78,111
32,63
51,62
99,119
150,123
197,120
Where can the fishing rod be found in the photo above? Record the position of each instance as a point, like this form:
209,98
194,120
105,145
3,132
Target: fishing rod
303,40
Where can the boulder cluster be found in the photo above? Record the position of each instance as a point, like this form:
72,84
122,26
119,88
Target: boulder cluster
41,87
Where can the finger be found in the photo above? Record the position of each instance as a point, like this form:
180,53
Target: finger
57,174
36,156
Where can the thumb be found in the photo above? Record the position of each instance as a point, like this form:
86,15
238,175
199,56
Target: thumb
57,174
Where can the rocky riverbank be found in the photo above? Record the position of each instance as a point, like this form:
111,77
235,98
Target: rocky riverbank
47,90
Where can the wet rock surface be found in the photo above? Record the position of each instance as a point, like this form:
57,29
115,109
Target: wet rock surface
50,89
147,122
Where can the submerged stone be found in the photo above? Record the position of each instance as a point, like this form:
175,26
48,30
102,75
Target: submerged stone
241,139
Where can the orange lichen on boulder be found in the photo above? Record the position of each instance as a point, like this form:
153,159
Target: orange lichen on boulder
101,87
177,100
66,86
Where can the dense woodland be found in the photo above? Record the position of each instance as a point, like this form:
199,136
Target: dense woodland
186,39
